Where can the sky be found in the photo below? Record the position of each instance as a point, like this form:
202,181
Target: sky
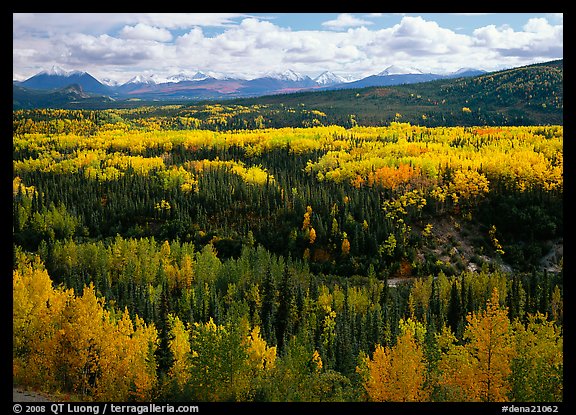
119,46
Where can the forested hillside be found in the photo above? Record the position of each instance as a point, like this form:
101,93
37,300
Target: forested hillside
528,95
257,252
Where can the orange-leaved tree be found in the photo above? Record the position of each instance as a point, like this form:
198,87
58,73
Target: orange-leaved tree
398,373
479,369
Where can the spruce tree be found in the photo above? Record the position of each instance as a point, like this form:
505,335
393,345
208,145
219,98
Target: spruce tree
454,314
164,356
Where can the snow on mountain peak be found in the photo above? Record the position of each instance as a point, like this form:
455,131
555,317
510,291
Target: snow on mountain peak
109,82
329,78
287,75
58,71
198,76
55,70
142,79
399,70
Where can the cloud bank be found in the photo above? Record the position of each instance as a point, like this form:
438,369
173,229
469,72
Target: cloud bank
118,46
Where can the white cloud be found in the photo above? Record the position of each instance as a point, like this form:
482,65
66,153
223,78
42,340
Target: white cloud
539,25
416,38
51,24
87,52
346,20
188,20
193,37
123,45
104,22
145,32
538,39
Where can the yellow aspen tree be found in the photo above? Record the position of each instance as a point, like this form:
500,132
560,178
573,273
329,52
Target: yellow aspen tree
457,379
557,305
79,342
375,373
316,361
36,318
209,374
179,344
144,343
260,355
345,246
398,373
490,344
537,369
480,369
186,271
312,235
470,184
254,300
306,221
115,371
172,274
419,299
78,349
72,343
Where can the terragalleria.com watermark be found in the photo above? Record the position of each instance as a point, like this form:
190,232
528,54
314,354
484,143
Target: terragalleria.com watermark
97,409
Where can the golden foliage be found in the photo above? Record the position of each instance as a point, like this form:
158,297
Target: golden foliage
479,370
71,342
398,373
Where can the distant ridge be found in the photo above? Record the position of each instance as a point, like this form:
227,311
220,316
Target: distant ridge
527,95
201,85
69,96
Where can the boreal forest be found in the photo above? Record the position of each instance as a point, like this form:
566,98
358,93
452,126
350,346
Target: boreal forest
276,251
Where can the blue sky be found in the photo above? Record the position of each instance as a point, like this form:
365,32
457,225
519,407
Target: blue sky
459,22
118,46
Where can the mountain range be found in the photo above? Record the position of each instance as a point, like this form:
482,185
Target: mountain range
525,95
200,85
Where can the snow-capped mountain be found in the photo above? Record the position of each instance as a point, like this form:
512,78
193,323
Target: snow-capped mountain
392,75
57,77
400,70
181,77
288,75
142,79
212,85
329,78
58,71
